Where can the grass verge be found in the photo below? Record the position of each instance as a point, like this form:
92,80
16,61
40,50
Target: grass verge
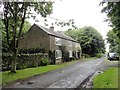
108,79
8,77
89,58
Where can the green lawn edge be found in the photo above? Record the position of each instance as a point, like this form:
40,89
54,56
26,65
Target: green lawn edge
108,79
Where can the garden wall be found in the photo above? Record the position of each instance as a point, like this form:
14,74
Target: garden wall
25,60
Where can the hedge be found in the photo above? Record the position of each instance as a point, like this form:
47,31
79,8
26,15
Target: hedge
25,60
31,51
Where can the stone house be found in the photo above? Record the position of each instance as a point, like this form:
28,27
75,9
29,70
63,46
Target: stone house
41,37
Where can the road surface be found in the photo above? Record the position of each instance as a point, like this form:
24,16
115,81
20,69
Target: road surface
69,77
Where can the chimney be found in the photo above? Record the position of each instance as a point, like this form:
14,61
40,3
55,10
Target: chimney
52,28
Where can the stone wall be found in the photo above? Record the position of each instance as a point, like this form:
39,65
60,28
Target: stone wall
24,60
35,38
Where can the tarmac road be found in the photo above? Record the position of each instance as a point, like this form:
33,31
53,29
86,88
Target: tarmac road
69,77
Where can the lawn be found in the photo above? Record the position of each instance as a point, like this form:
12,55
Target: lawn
108,79
8,77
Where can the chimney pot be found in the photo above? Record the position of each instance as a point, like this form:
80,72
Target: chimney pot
52,28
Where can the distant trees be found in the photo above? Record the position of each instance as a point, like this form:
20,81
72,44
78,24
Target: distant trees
90,40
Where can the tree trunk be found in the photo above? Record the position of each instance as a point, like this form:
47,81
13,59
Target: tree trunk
14,49
14,61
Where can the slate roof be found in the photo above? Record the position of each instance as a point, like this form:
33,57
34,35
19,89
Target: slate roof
56,34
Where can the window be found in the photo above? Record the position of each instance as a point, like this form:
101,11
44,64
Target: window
58,54
76,45
70,54
57,41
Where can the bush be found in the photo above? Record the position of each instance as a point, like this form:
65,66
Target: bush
44,61
52,57
24,60
65,53
31,51
65,56
85,56
99,55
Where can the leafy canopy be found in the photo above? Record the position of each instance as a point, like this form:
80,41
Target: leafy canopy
90,40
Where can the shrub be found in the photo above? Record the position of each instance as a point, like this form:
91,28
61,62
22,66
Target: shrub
52,57
86,55
31,51
23,60
65,53
99,55
44,61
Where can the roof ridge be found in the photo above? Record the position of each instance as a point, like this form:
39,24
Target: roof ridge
55,33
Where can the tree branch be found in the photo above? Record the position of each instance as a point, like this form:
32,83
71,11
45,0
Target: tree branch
11,9
22,23
6,22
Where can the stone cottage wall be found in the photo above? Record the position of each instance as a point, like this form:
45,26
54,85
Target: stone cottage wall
35,38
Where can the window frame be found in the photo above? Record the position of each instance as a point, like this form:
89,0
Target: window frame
58,41
58,52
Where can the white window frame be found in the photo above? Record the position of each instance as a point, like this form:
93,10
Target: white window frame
70,54
57,41
58,54
76,44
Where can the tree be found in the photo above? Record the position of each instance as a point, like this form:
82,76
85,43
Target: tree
90,40
112,39
15,14
112,9
26,27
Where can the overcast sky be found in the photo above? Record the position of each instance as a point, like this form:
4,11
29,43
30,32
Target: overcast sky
84,12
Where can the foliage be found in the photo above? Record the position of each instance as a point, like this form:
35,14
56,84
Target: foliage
90,40
15,14
65,53
31,51
104,80
44,61
26,27
114,44
52,56
70,23
112,9
25,60
99,55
